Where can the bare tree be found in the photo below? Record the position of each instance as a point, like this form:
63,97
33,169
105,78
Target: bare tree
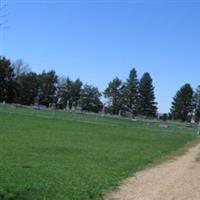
20,67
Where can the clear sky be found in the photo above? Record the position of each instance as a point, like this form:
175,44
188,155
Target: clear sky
99,40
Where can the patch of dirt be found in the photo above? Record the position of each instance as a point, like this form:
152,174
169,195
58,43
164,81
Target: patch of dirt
172,180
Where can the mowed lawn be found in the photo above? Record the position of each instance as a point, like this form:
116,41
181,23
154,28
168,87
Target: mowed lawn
47,155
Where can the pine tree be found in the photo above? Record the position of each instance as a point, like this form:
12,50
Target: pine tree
131,92
90,99
114,94
182,103
7,81
69,92
47,85
27,88
147,105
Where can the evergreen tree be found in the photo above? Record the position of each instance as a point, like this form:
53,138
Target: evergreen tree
197,103
47,87
114,94
65,93
7,81
76,91
182,103
27,88
90,99
69,93
147,105
131,92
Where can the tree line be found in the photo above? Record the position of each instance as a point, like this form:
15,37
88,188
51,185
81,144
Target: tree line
133,97
18,84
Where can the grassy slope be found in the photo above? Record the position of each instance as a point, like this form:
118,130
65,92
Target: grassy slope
63,156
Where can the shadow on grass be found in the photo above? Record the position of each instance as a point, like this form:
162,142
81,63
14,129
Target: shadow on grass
9,194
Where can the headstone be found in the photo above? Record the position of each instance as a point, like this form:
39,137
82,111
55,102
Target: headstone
103,111
134,120
67,107
163,126
188,125
198,132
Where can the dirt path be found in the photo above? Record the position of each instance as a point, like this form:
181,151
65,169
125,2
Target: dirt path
177,179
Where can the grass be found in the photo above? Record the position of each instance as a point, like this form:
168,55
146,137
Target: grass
48,155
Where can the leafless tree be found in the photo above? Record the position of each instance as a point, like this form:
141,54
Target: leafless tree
20,67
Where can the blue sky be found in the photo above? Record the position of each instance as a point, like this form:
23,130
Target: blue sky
99,40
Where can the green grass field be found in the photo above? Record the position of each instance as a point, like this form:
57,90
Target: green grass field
48,155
